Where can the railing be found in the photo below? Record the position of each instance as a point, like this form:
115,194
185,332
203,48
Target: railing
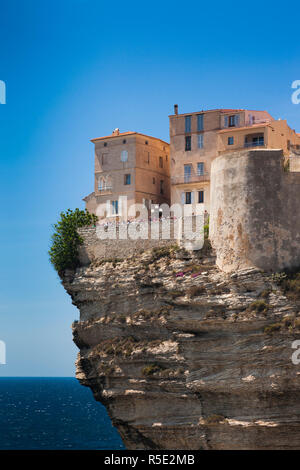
105,189
254,144
194,178
257,121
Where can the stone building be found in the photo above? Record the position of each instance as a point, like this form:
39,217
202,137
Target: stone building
147,170
197,138
131,167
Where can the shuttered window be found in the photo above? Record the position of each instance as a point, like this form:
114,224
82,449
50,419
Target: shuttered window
115,207
200,168
187,173
188,121
200,141
127,179
200,122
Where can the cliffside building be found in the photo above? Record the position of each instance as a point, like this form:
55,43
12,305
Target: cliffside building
131,165
147,170
197,138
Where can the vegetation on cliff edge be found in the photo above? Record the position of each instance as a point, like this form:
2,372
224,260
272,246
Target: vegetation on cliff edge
66,240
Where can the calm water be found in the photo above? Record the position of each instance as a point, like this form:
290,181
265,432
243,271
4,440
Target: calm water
53,413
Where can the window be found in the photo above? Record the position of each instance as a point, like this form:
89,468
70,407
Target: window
200,141
147,157
230,140
188,143
105,144
124,156
161,162
146,142
166,158
200,168
200,122
124,141
153,180
115,207
232,121
258,140
101,184
127,179
188,121
187,173
161,187
200,197
188,197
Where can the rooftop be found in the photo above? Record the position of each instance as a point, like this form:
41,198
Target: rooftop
124,134
220,110
251,126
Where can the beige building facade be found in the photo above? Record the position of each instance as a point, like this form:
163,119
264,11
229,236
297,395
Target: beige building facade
130,168
196,139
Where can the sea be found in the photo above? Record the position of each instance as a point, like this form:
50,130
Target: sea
53,414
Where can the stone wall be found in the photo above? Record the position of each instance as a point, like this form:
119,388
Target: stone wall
255,211
96,247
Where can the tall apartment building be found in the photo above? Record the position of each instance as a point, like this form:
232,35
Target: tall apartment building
129,165
199,137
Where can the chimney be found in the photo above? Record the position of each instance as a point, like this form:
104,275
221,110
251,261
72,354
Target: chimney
176,109
116,131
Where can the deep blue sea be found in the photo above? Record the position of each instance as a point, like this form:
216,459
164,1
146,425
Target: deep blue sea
53,413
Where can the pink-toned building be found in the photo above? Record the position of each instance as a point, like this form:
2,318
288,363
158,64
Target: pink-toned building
199,137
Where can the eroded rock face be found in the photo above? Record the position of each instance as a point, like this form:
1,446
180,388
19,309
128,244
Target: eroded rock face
194,361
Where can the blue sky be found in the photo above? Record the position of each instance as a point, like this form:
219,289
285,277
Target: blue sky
75,70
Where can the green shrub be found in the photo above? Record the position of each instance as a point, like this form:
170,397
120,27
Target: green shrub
265,294
289,323
162,252
152,369
278,277
286,166
175,293
272,328
259,306
65,239
206,229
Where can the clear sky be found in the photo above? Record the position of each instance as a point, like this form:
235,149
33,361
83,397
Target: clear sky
76,69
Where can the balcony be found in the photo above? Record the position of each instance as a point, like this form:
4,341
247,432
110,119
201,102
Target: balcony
257,121
193,178
254,144
254,140
104,190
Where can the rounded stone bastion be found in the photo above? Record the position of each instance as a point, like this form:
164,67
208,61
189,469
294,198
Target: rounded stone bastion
255,211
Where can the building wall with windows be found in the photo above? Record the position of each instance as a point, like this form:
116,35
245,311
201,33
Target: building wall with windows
202,136
129,165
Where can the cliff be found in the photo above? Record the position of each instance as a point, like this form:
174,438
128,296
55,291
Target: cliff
185,356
